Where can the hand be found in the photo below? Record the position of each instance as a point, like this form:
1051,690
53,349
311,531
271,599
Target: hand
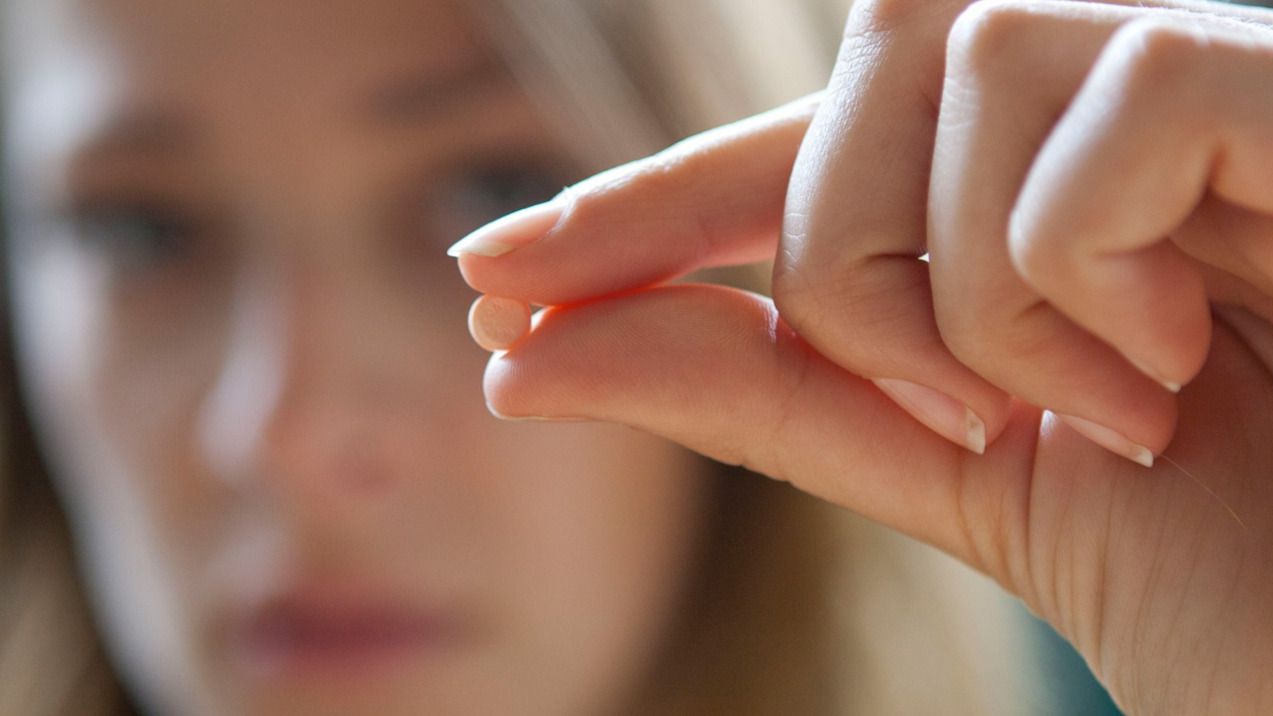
1091,184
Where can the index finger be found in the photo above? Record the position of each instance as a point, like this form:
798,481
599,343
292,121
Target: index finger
714,199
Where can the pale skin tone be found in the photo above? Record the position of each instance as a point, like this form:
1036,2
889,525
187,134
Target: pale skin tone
1090,181
247,358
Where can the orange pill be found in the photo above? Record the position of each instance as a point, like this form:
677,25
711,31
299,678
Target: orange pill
497,323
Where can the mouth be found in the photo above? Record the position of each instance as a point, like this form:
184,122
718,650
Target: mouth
311,635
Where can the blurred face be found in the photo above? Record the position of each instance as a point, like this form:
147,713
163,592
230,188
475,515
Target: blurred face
246,354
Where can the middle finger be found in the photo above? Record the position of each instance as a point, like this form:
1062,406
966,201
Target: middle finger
1012,68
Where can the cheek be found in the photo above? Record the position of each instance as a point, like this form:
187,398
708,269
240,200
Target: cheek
98,375
114,391
100,415
154,365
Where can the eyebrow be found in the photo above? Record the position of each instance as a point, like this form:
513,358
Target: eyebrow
410,99
415,97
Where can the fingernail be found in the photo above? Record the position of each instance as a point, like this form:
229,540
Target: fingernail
497,323
510,233
1168,384
535,418
1111,440
940,412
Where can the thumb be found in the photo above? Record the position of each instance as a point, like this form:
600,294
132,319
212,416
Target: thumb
718,371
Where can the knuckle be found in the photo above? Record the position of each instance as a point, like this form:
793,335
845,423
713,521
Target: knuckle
888,15
846,307
654,176
1154,55
981,338
670,181
989,35
1033,250
812,295
587,200
962,337
795,295
658,176
619,194
970,335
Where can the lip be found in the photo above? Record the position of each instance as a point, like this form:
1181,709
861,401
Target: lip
318,634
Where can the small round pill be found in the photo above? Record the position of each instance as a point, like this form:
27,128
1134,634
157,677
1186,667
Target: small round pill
497,323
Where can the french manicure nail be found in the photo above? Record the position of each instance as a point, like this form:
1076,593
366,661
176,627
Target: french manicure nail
1155,375
521,228
940,412
535,418
1109,439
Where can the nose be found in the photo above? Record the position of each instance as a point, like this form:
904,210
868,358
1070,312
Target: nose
311,404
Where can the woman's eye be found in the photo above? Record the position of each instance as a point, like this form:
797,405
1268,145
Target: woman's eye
479,196
136,237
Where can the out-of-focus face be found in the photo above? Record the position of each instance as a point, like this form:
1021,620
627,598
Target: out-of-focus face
247,356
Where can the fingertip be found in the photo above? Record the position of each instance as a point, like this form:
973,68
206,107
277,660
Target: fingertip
1110,439
941,413
496,323
1171,385
465,265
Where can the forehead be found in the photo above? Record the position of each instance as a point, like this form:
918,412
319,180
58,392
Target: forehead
241,32
266,49
263,75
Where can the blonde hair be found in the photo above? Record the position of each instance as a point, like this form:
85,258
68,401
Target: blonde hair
795,607
51,661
